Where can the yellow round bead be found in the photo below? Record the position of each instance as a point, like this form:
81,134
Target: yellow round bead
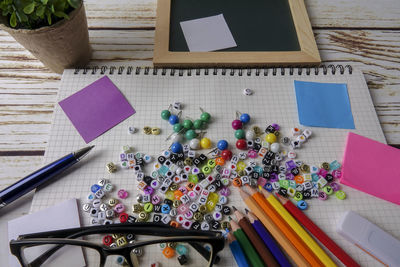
205,143
170,195
270,138
240,166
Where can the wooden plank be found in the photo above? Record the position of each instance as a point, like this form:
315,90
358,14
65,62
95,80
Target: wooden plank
28,92
23,165
129,14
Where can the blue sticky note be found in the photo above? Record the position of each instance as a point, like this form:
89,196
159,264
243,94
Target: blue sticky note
323,105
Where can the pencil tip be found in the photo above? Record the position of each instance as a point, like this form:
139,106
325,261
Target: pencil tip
234,208
246,210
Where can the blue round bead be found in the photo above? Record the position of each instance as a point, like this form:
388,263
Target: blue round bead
245,118
222,145
173,119
176,147
302,205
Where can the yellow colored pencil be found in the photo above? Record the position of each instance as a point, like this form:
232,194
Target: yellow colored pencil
308,240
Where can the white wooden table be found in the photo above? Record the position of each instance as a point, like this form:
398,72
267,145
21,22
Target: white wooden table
363,33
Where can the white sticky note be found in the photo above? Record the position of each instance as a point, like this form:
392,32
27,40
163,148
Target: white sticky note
61,216
207,34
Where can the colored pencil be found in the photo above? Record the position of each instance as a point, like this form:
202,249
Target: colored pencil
318,233
285,228
283,241
237,251
245,244
307,239
268,240
255,239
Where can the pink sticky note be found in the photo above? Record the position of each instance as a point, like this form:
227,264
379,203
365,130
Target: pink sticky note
371,167
96,108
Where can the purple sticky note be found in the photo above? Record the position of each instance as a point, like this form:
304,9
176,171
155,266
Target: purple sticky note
96,108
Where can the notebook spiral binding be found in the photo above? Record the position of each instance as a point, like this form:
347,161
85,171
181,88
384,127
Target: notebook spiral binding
130,70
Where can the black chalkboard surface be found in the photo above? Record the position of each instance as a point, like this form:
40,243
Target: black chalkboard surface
267,32
256,25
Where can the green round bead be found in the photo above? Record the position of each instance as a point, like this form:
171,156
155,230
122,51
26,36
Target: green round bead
198,124
190,134
205,116
177,127
187,124
165,114
240,134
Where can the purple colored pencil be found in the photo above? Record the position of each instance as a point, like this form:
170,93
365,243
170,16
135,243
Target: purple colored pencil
268,240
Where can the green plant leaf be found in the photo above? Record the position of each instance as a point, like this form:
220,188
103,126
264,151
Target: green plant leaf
44,2
29,8
13,20
52,8
40,11
21,16
74,3
48,14
61,14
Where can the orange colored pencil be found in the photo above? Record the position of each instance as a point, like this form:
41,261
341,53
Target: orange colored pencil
285,228
293,253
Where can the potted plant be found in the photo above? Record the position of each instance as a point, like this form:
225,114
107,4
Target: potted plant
54,31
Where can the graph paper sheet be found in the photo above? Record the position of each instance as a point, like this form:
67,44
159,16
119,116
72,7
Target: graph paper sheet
273,101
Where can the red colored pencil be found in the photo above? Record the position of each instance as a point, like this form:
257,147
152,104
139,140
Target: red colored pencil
318,233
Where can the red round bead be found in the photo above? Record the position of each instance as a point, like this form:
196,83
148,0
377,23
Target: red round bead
241,144
226,154
123,217
237,124
107,240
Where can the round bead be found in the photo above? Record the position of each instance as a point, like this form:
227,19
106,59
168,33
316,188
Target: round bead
205,143
187,124
205,116
276,126
245,118
237,124
198,124
194,144
274,147
226,154
177,127
176,147
155,131
173,119
340,194
302,205
322,195
270,138
165,114
175,137
240,134
250,135
247,91
241,144
190,134
222,145
122,194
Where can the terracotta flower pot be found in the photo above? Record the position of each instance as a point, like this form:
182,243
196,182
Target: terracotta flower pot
62,45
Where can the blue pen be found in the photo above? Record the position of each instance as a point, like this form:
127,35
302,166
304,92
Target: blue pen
237,251
41,176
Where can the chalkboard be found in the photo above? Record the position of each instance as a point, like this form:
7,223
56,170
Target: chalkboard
267,32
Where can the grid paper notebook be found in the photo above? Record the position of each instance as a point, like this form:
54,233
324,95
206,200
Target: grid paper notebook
219,92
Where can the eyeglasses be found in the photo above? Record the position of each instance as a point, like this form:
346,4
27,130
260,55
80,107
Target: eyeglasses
130,244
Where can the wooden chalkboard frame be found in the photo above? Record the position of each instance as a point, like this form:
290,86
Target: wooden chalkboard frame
307,55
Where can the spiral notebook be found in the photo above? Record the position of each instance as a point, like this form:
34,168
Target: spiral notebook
219,92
